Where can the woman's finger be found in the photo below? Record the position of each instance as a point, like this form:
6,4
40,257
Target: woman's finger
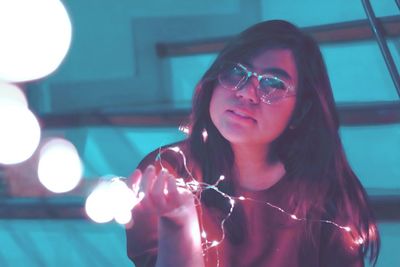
147,180
135,180
173,196
157,195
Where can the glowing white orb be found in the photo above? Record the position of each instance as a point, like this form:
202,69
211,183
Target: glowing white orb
35,37
175,149
98,206
60,168
203,234
123,216
121,195
111,199
205,135
12,94
19,134
184,129
214,243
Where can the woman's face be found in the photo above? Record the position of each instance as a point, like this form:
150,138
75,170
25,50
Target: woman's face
241,117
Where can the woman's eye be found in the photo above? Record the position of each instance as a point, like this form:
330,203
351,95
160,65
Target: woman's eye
237,71
236,74
274,83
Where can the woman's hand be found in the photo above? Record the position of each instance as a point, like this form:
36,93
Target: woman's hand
178,228
162,197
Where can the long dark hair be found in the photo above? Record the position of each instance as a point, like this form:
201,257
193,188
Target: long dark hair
312,152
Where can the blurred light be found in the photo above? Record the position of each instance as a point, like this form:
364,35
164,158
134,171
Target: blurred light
184,129
123,216
205,135
203,234
121,195
19,135
60,168
111,200
98,206
35,37
12,94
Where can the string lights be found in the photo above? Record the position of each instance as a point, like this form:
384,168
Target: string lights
196,188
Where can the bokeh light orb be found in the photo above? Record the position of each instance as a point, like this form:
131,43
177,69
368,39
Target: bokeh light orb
122,195
11,94
111,199
98,206
123,216
59,169
19,135
35,37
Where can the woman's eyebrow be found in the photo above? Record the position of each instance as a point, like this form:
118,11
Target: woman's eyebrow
278,72
271,70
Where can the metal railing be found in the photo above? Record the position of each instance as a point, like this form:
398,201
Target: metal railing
380,38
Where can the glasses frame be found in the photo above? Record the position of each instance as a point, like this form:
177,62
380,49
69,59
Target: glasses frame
289,92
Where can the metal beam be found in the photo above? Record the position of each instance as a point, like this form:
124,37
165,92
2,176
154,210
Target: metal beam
350,113
351,31
386,208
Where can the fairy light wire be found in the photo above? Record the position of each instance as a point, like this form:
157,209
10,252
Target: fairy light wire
196,188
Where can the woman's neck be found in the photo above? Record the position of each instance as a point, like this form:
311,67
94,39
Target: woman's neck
253,168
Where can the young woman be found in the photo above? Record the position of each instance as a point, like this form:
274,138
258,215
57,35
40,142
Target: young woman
264,117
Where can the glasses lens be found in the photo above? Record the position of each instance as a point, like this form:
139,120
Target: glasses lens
272,88
232,75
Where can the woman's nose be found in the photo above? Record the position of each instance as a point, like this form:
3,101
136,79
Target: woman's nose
248,91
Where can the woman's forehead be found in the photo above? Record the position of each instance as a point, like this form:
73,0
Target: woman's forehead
273,60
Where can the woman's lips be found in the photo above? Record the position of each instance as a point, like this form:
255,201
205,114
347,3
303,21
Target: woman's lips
241,115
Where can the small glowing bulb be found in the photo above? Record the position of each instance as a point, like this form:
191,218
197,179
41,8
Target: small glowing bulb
214,243
203,234
359,241
348,229
205,135
221,178
194,187
180,182
165,191
175,149
294,216
184,129
141,195
242,198
232,201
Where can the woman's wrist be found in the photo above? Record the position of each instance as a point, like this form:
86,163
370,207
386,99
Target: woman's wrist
179,231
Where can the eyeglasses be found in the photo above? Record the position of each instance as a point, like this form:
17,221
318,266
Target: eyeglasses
271,89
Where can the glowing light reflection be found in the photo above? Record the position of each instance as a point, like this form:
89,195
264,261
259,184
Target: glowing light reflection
60,168
112,199
11,94
19,135
35,37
